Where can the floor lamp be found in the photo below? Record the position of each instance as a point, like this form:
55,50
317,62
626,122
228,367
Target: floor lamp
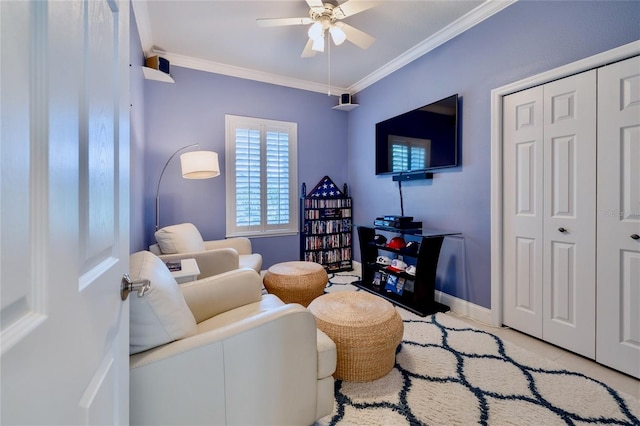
195,165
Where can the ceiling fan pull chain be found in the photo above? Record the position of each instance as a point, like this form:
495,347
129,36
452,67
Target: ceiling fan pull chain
329,67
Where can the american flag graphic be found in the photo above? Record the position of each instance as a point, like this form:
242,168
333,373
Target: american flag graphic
326,189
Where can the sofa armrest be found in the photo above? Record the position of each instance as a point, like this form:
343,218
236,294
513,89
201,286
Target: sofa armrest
210,262
241,244
220,293
278,316
269,359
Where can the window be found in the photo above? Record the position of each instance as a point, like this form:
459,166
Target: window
261,176
409,153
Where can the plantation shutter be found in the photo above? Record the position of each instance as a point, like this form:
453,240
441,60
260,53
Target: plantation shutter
418,157
400,157
277,178
261,177
248,178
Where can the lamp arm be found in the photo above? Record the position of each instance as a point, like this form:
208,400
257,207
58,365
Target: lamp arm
160,180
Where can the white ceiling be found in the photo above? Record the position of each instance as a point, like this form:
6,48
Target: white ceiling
223,37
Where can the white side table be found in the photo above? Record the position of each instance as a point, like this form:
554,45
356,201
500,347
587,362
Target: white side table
189,271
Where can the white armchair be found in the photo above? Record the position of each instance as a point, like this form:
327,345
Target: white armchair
217,352
182,241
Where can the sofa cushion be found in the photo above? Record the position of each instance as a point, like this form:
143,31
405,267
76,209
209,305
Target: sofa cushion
162,315
182,238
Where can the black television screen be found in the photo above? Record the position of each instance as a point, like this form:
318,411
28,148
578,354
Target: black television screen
420,140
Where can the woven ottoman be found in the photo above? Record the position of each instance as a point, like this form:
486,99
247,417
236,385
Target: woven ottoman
366,330
296,282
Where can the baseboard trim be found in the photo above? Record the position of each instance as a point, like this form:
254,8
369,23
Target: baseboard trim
459,306
464,308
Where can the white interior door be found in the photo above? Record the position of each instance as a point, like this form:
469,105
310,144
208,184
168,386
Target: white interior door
523,210
64,211
618,324
549,159
569,277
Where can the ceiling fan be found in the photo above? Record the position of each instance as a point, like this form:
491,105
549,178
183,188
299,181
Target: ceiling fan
327,17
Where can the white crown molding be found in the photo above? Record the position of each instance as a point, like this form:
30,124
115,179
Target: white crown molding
477,15
462,24
250,74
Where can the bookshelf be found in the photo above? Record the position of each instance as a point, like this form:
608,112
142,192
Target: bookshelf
326,228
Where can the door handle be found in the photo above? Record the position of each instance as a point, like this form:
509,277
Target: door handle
635,236
127,286
563,230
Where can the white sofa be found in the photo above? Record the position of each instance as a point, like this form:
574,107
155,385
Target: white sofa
216,352
183,241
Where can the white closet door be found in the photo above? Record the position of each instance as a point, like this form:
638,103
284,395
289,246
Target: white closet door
523,210
569,277
618,324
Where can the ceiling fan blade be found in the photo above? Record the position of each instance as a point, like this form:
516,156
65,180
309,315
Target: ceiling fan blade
315,3
308,51
351,7
277,22
355,36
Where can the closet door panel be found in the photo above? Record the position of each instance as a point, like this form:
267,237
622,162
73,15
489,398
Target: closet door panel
522,291
569,283
618,313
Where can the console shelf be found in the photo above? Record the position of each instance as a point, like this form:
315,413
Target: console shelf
415,292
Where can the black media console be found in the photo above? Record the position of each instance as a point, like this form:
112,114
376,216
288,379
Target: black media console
414,292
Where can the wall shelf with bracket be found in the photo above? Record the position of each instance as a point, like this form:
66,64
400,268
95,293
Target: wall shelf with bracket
154,74
346,107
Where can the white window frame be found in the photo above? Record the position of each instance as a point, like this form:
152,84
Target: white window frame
233,122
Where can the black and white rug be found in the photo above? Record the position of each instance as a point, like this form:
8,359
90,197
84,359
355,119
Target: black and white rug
448,373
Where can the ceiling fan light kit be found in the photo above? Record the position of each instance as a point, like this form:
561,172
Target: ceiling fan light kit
337,34
327,17
315,31
318,43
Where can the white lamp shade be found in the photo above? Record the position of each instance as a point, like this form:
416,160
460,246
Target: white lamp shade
318,44
315,30
338,35
199,165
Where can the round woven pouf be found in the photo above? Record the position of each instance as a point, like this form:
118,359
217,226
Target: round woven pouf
296,282
366,330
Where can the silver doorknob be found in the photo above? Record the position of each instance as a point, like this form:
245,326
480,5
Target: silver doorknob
127,286
635,236
563,230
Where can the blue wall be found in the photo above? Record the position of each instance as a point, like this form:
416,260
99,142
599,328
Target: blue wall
522,40
192,111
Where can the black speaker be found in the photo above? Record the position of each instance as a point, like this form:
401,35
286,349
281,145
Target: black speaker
412,176
345,98
158,63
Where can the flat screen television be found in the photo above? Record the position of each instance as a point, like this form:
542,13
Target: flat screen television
421,140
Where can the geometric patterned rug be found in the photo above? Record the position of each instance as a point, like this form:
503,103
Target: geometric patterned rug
447,373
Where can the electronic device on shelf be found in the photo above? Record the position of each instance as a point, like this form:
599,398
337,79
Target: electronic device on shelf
397,222
398,218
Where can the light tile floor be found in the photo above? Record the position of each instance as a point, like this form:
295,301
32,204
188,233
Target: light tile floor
618,381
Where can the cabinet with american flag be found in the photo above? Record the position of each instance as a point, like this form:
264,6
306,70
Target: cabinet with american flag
326,226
